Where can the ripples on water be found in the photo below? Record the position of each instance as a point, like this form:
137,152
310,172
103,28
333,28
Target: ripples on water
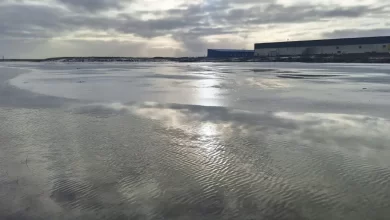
186,161
155,161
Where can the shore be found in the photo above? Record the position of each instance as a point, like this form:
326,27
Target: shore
345,58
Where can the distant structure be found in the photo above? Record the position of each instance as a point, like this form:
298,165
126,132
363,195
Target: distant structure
326,47
226,53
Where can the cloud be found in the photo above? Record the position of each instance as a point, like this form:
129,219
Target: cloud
358,33
188,28
95,5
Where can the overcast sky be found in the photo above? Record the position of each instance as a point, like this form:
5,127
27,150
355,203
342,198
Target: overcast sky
48,28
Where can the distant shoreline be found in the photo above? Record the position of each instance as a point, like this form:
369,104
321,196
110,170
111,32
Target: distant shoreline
370,58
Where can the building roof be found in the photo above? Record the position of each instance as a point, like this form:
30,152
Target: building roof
329,42
230,50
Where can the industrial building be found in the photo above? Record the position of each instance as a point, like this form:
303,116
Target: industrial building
226,53
324,47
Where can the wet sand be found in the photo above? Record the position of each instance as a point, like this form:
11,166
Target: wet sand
194,141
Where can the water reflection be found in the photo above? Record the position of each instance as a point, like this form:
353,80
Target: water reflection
207,91
208,129
193,161
205,94
263,83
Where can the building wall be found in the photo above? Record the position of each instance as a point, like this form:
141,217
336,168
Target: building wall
228,53
343,49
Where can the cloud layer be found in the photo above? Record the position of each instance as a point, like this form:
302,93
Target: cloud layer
45,28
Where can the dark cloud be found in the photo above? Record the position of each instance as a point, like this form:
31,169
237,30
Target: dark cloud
277,13
45,21
30,22
95,5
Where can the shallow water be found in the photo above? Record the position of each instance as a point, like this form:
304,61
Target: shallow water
194,141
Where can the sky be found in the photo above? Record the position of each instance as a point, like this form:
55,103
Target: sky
147,28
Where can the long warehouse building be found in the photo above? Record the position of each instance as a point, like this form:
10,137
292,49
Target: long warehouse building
318,47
